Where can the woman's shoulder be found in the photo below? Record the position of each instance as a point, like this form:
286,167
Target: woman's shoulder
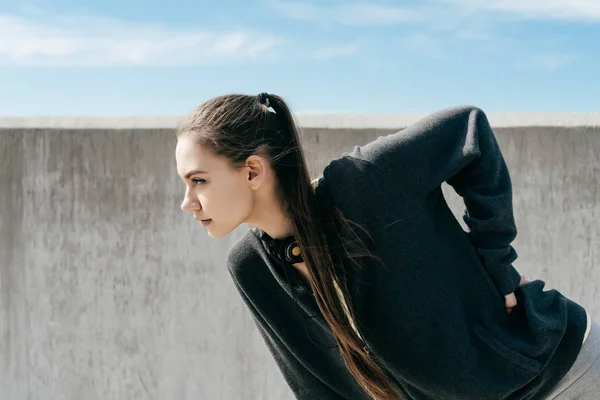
344,175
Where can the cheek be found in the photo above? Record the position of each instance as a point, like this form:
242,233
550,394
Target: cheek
239,195
241,200
234,202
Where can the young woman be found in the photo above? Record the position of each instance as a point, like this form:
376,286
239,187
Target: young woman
362,283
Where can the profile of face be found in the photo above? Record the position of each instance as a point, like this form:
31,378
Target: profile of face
214,189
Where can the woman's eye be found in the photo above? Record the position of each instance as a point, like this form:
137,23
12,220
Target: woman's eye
198,181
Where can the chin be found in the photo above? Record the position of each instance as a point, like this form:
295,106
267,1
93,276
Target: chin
215,236
218,234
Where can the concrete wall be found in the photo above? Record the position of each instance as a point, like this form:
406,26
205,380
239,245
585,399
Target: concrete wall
108,291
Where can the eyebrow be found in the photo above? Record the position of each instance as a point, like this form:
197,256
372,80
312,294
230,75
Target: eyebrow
194,172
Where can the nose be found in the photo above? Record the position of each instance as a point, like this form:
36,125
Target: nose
189,204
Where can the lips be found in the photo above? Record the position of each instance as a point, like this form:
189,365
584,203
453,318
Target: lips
200,219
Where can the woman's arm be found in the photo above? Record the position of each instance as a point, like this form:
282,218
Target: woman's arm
456,146
303,383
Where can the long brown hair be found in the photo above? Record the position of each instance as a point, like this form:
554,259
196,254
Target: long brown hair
237,126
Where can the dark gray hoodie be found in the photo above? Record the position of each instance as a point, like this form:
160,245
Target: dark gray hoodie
435,315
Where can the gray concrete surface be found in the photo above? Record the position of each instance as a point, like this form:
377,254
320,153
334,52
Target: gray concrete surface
108,291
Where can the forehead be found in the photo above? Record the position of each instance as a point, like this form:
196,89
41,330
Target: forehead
191,156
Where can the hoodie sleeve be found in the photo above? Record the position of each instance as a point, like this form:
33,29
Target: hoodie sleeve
457,146
304,384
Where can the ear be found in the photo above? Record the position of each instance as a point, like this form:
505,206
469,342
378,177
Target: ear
255,170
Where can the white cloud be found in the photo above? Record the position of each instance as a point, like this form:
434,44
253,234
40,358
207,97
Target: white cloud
439,28
547,61
91,41
442,12
353,14
472,34
542,9
420,40
337,50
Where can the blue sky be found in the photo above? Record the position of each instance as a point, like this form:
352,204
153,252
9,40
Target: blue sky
135,58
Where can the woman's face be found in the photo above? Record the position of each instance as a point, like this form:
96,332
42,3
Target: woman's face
214,191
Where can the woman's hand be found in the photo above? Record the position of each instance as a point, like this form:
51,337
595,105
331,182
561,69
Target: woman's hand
510,299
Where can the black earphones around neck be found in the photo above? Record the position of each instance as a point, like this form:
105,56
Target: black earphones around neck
286,250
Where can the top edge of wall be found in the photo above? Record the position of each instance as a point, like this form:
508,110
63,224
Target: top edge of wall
322,121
